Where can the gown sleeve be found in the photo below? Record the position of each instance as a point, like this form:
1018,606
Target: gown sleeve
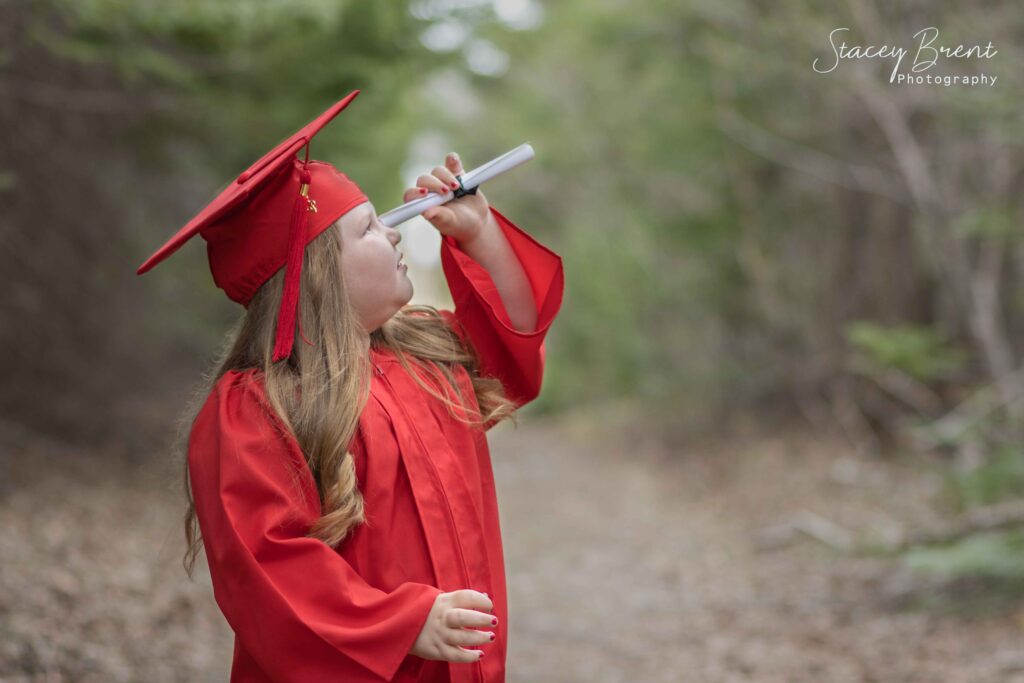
516,358
296,605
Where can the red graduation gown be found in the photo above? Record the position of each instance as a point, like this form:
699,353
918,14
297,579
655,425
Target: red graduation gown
305,612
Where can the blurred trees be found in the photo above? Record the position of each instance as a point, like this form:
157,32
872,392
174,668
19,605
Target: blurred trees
740,229
120,118
743,234
740,232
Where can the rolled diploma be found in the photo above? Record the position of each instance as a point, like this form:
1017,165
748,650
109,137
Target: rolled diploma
478,176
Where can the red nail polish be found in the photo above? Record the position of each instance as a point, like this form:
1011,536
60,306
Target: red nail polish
492,636
481,654
423,190
454,185
494,621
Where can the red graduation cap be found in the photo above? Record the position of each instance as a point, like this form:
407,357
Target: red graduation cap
263,220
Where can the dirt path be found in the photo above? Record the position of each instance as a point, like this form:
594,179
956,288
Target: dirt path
625,564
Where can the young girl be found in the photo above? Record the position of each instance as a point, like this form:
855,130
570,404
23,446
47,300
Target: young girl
337,465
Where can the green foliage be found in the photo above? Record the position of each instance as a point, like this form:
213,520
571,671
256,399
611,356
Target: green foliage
215,59
628,186
207,63
993,555
921,352
1000,477
725,213
989,221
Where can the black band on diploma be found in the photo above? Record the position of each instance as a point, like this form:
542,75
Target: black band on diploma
461,191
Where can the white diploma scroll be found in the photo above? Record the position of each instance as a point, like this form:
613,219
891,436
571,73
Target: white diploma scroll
471,179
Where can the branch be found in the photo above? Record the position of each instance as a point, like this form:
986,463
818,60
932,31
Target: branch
1006,515
806,160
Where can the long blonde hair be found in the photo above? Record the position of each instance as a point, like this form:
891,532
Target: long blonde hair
319,392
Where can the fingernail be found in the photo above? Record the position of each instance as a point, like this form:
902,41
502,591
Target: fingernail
494,622
481,654
492,636
423,190
454,185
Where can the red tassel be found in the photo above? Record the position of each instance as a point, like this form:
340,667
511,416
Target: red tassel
293,272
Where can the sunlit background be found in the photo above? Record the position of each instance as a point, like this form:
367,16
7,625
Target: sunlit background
780,435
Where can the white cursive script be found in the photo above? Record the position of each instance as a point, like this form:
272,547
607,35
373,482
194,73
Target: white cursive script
926,56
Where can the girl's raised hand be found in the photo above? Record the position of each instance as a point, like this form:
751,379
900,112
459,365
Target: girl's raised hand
462,218
453,624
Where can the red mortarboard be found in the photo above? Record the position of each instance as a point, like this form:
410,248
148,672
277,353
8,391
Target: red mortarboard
264,220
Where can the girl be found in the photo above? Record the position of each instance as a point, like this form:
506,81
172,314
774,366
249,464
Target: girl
338,472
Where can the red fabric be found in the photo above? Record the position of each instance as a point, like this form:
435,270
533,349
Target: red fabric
302,611
246,224
517,358
293,270
248,246
260,221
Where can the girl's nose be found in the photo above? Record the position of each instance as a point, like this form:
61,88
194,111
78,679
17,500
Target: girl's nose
395,236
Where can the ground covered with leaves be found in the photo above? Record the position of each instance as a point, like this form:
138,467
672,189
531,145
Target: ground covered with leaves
732,559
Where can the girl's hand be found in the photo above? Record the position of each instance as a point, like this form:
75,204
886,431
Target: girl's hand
462,218
452,625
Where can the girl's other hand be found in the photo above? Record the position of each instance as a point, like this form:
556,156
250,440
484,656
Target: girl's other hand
453,624
462,218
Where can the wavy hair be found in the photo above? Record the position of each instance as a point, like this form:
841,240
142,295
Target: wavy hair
319,392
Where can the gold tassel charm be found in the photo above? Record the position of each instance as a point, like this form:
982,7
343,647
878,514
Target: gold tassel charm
310,203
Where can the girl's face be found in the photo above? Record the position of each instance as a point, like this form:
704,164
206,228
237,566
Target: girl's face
377,285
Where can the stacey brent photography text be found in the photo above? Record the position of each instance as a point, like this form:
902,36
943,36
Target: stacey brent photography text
927,51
